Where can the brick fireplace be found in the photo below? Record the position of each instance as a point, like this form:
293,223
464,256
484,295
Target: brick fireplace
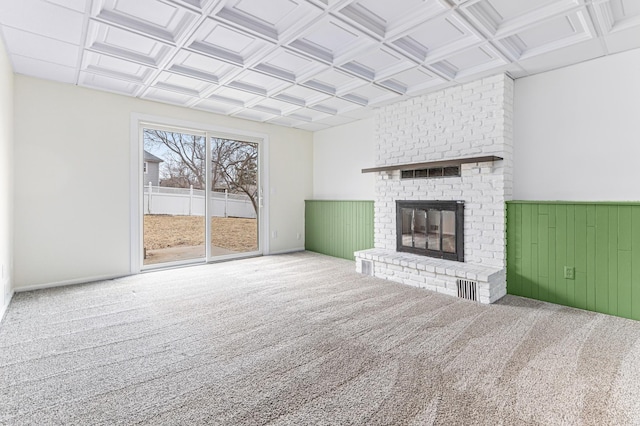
455,126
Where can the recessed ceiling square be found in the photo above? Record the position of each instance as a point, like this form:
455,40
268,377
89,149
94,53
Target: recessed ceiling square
217,107
301,96
233,96
109,84
329,40
153,17
170,81
334,82
229,44
369,95
116,67
288,65
378,64
167,96
200,66
384,18
437,38
274,19
411,81
276,12
151,11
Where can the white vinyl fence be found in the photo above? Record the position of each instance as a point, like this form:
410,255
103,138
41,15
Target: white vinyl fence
182,201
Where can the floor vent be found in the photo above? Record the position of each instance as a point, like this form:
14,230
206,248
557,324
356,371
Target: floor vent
468,290
367,267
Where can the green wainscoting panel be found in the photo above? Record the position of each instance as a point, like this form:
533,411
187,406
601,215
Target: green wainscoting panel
580,254
338,228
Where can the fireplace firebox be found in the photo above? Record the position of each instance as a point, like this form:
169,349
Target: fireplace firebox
431,228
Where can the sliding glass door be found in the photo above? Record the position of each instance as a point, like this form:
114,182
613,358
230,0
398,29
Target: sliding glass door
200,196
234,198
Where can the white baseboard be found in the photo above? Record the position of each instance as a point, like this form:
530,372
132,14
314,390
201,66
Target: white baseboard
68,282
3,309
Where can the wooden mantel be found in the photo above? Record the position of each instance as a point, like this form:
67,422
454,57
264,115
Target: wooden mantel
430,164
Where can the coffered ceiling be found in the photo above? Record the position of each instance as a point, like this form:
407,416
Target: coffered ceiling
309,64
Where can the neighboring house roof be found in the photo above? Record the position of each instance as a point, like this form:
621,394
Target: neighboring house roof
152,158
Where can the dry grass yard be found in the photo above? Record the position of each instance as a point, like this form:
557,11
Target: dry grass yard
164,231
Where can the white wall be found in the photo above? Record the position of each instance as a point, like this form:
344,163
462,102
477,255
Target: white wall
65,136
577,132
6,178
339,155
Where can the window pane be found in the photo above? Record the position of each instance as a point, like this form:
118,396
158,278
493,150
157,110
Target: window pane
449,231
407,227
234,197
174,204
433,231
420,229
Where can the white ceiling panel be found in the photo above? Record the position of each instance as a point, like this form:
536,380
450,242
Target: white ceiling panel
275,106
167,96
331,41
301,96
286,121
336,120
313,127
388,18
334,82
67,28
553,34
378,64
258,83
201,66
470,61
229,44
181,83
125,44
501,18
217,107
411,81
560,58
370,95
116,67
77,5
290,66
45,70
308,64
335,106
255,115
436,38
619,21
308,115
155,18
45,49
279,20
234,97
109,84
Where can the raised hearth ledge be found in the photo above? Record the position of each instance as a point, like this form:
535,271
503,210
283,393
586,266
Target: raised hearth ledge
433,274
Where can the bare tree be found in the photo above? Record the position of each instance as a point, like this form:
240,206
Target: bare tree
184,157
235,167
234,164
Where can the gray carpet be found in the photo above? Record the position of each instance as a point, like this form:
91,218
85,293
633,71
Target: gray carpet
302,339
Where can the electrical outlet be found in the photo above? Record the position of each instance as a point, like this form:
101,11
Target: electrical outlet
298,235
274,234
569,272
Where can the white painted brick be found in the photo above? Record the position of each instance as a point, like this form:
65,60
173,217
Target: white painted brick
465,120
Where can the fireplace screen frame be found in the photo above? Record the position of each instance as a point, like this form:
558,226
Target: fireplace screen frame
455,206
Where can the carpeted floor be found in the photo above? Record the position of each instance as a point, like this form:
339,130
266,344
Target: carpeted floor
302,339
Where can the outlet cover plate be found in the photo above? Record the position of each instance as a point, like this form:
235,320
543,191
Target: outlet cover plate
569,272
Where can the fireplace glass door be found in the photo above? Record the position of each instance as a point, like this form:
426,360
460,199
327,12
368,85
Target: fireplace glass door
431,228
